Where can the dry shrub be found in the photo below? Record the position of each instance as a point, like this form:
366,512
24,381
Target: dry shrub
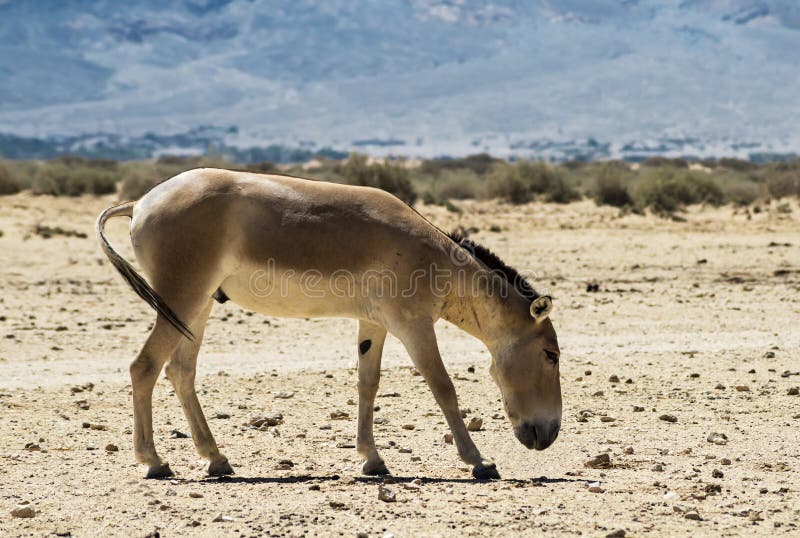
388,176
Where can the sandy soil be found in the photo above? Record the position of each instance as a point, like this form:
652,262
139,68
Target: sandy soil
697,319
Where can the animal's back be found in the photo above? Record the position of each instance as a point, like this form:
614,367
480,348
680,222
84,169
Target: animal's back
247,224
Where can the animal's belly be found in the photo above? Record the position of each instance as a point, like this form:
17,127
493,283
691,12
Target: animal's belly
296,294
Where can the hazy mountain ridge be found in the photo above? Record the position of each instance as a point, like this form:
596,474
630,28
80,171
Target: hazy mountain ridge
439,76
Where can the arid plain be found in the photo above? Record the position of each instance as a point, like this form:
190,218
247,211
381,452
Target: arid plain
680,361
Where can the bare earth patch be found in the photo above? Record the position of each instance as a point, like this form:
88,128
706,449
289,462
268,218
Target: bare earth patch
695,321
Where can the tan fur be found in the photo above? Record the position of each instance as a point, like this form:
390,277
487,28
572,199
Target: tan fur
211,229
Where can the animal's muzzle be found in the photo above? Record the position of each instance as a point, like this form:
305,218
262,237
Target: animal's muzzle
538,435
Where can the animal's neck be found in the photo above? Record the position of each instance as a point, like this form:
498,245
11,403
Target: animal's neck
485,313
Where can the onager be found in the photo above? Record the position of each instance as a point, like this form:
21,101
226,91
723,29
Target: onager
291,247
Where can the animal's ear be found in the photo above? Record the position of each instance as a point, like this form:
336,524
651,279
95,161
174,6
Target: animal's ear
541,308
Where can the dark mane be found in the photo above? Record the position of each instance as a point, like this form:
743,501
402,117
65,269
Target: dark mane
495,264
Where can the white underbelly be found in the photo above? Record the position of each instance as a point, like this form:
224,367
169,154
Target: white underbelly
288,293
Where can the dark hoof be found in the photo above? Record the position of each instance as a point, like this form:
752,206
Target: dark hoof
220,468
160,471
486,472
374,469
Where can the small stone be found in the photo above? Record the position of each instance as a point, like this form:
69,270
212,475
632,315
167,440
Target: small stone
628,450
268,419
717,438
693,515
337,505
284,395
221,416
195,495
404,450
386,495
638,408
409,426
694,375
793,391
769,355
619,533
23,511
176,434
448,438
284,465
613,379
657,467
339,415
596,489
720,386
222,518
587,372
754,516
601,461
668,418
111,447
725,461
607,419
716,473
475,424
742,388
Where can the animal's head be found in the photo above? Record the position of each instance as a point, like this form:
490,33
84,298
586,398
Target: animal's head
525,367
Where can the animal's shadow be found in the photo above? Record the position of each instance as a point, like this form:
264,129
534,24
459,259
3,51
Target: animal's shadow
300,479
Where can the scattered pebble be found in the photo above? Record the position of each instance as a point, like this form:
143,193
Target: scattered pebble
613,379
716,473
195,495
409,426
742,388
222,518
668,418
628,450
638,408
475,424
177,434
607,419
386,495
717,438
284,465
448,438
725,461
657,468
793,391
23,511
339,415
619,533
111,447
693,515
269,419
284,395
601,461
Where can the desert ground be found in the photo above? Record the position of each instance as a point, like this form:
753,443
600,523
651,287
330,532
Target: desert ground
681,367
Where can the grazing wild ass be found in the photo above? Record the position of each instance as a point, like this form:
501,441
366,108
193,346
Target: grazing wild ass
285,246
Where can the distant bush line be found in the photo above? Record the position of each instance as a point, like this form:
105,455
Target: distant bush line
661,185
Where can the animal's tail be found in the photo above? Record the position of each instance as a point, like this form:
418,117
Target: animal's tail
134,279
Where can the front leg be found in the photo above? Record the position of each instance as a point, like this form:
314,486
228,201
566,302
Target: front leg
419,340
370,348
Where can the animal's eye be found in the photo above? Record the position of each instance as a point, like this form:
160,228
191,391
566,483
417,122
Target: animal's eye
552,356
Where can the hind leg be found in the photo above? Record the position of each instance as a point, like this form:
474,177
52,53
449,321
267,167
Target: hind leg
181,370
144,369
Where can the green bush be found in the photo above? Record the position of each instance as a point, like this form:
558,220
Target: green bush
519,183
479,164
9,184
73,176
391,177
457,185
666,190
739,165
781,184
610,187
